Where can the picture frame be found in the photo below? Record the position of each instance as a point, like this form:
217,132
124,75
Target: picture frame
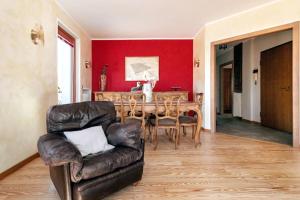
142,68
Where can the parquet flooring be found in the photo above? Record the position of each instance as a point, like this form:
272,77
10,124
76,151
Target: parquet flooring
223,167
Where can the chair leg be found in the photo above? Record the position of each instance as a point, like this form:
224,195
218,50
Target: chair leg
144,130
168,132
145,133
150,133
176,138
193,132
184,131
170,135
155,139
174,135
179,131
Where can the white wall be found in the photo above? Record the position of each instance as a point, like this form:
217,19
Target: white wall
246,96
199,72
28,77
271,15
237,105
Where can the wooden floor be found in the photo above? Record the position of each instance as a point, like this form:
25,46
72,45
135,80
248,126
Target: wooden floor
223,167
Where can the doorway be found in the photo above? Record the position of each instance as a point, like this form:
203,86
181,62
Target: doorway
262,88
226,88
294,27
66,73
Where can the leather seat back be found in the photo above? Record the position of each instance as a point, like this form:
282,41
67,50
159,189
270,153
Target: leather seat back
77,116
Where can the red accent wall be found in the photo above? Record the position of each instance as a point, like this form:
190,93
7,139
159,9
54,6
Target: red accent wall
175,62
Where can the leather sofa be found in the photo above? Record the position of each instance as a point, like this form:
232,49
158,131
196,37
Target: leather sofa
95,176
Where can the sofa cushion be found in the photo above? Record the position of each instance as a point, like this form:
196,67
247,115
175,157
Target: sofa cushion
89,141
107,162
127,135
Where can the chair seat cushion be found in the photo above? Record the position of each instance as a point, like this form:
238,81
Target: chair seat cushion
167,122
101,164
133,120
187,119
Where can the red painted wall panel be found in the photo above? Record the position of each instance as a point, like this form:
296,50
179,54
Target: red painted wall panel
175,62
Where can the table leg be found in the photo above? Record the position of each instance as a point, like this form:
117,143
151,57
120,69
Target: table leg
198,130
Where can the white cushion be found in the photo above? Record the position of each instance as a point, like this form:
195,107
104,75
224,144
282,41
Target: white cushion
89,141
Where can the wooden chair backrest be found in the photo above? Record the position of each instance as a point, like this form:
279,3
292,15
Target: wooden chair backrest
170,107
136,104
199,99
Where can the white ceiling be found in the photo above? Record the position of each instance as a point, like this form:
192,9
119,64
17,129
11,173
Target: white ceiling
117,19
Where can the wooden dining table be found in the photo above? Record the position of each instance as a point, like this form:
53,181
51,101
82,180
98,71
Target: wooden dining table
184,106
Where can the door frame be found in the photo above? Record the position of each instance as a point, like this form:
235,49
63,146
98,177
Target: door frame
221,88
69,39
296,75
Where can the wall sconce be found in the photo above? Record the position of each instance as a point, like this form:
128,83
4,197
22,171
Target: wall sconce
37,34
87,64
197,62
255,76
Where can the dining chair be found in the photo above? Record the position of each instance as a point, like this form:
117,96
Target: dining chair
191,121
166,117
132,109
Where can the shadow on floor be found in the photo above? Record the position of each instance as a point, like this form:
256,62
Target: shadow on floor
235,126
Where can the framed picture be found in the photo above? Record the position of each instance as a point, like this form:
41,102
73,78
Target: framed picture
141,68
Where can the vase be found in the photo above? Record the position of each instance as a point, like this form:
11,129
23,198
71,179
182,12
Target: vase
147,90
103,82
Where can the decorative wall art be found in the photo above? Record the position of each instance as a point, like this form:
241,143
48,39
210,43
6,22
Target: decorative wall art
142,68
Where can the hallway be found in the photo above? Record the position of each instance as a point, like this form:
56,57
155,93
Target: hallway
235,126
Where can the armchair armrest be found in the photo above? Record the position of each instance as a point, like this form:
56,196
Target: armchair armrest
56,150
128,135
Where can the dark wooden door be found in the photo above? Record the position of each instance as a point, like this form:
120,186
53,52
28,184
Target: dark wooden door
276,87
227,90
238,65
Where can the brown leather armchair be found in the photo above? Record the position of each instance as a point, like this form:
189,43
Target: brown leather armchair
95,176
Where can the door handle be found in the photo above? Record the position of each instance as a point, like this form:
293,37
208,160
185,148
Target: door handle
286,88
59,91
